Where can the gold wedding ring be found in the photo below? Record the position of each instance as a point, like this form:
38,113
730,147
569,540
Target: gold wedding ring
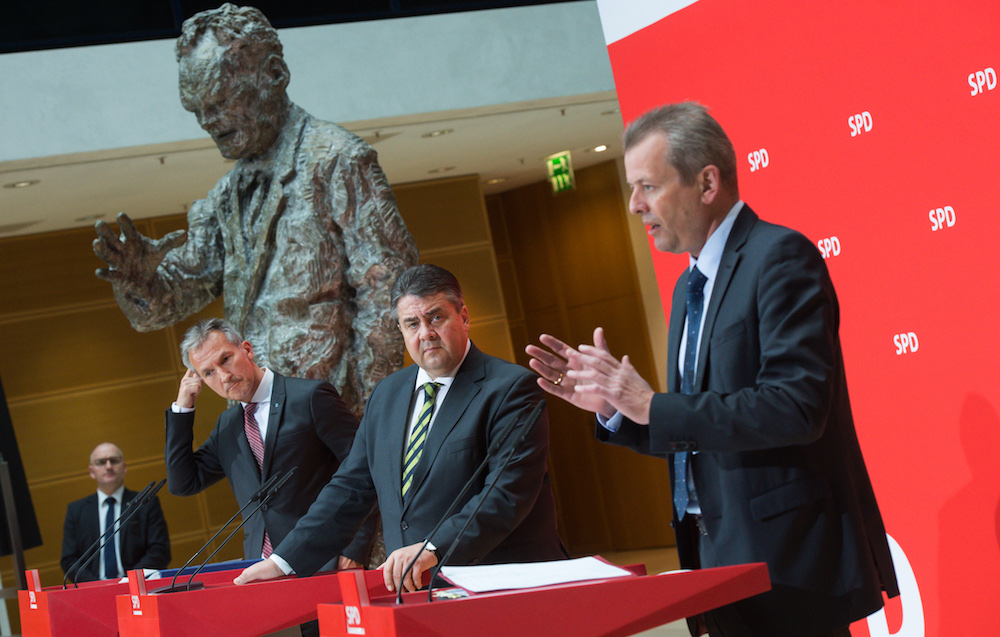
558,381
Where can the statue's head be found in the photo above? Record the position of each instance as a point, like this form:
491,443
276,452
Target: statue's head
233,78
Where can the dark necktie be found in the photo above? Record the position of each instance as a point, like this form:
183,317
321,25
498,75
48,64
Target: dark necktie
415,446
695,303
257,447
110,560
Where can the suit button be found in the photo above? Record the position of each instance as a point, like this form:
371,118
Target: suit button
264,507
403,525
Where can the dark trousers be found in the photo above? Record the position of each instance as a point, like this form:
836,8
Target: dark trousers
757,619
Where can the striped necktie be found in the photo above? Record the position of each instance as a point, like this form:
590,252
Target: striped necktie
418,436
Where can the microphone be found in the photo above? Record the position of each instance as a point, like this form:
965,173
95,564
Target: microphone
526,431
256,498
270,494
490,452
127,513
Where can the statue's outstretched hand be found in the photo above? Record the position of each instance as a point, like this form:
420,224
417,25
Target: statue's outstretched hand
133,258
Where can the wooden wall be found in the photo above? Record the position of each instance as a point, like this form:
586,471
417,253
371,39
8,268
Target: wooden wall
567,266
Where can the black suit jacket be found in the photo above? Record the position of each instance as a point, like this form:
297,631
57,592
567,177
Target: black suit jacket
309,427
517,521
145,542
779,471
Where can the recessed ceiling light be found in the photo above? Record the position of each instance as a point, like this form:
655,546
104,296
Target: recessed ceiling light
439,133
598,149
496,180
22,184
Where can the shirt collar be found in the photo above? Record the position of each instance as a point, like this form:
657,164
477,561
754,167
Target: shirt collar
263,393
117,495
711,254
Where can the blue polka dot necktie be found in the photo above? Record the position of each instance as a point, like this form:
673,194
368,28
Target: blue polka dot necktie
695,306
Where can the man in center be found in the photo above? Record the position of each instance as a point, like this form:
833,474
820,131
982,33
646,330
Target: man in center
425,431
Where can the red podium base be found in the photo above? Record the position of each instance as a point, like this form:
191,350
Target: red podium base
581,609
222,608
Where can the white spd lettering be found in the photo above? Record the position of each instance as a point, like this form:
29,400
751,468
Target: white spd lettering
942,218
986,78
860,123
829,247
906,343
758,159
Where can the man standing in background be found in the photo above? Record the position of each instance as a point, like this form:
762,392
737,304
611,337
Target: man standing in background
143,542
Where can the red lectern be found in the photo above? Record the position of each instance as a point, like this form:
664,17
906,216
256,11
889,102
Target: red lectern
598,608
222,608
85,611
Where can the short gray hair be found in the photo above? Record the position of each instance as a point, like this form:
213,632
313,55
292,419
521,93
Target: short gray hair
695,139
422,281
197,334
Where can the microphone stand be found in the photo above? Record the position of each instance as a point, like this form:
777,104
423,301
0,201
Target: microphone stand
264,501
257,496
535,412
137,503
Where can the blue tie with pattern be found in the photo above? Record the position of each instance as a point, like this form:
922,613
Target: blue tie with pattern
695,303
110,560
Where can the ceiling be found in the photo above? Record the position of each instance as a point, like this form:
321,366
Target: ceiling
507,142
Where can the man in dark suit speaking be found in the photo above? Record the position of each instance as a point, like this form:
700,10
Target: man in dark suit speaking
143,542
757,423
425,430
279,423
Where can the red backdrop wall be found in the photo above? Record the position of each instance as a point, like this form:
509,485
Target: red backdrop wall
874,128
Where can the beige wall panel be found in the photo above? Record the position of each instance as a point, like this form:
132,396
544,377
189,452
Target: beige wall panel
443,213
62,352
526,213
50,270
493,338
56,435
477,275
50,502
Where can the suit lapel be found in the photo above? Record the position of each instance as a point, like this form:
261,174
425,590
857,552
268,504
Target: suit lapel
394,424
464,388
274,421
678,310
731,257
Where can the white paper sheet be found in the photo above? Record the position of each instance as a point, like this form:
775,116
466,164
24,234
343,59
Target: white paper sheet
502,577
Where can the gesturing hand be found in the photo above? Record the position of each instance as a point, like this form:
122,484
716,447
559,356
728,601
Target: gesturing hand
554,367
133,258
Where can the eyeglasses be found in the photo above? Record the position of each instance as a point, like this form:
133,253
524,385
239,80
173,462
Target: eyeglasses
114,460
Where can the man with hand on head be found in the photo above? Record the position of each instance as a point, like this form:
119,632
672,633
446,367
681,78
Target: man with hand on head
425,431
143,542
280,423
757,423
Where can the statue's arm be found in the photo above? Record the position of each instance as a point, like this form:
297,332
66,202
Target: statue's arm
158,282
379,248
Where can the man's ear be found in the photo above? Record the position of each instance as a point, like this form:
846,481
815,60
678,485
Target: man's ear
276,71
709,183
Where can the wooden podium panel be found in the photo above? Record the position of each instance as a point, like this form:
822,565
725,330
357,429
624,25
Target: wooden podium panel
597,608
222,608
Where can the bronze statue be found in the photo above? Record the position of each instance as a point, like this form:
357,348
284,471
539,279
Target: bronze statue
302,237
